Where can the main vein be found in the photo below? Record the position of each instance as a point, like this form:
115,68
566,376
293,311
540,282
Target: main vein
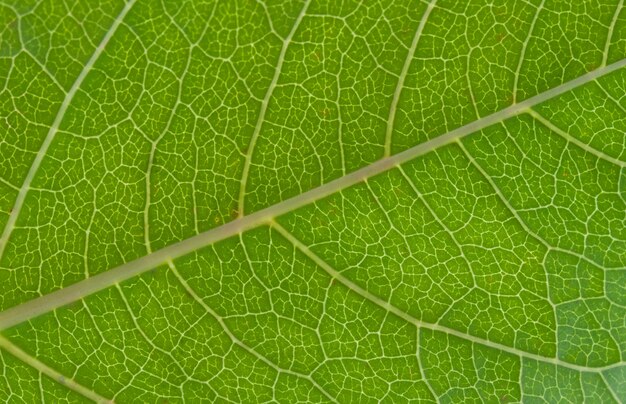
77,291
21,196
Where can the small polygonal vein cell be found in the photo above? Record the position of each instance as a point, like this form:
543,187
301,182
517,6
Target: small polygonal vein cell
313,201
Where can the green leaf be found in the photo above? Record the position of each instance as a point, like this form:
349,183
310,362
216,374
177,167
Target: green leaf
313,201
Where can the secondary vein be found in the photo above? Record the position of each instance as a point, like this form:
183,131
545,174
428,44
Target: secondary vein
48,371
402,78
21,196
263,111
419,323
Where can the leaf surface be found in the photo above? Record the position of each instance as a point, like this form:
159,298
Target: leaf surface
309,201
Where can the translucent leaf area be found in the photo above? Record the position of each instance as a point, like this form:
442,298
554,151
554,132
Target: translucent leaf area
313,201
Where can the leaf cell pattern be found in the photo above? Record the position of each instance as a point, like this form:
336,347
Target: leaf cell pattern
313,201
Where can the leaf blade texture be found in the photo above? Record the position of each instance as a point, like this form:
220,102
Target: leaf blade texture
313,201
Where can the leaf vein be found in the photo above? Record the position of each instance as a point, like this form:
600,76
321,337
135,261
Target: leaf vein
19,201
76,291
419,323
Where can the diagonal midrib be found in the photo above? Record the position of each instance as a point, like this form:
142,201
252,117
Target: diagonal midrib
77,291
43,150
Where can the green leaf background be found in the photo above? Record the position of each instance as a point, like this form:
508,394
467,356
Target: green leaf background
313,201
